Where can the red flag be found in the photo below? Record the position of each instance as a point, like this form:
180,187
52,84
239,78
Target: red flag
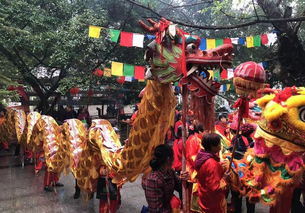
224,75
264,39
227,41
126,39
139,72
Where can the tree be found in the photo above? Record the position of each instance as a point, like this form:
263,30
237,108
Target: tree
50,39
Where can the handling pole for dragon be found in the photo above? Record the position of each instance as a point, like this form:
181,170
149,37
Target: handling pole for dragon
249,77
185,192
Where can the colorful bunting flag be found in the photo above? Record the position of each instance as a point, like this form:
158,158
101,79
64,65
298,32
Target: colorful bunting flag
231,86
138,40
116,68
241,41
271,38
94,31
217,75
234,40
128,70
257,41
227,41
150,37
107,72
224,74
126,39
114,35
211,77
219,42
223,88
139,72
249,41
265,65
230,73
228,87
141,80
264,39
211,43
128,79
203,44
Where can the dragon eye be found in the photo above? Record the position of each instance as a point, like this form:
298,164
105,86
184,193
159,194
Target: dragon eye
302,113
191,47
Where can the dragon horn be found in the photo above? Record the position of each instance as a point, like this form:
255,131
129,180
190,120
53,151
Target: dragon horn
164,19
147,28
152,22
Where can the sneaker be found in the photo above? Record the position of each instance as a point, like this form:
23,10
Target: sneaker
48,189
59,184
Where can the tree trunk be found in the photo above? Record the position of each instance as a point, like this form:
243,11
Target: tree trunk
43,105
290,53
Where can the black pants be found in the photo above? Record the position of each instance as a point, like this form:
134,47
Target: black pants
77,189
297,206
237,202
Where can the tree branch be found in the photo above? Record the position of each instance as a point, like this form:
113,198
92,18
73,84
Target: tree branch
257,17
235,17
297,26
210,27
186,5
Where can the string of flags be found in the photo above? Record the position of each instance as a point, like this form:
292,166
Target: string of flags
126,72
129,39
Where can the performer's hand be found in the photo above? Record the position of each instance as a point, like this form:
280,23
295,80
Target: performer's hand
227,176
224,163
184,175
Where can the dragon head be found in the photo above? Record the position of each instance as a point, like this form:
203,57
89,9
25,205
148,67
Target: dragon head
284,116
175,54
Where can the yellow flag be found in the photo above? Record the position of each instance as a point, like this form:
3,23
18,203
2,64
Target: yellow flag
211,43
228,87
94,31
116,68
211,72
107,72
250,42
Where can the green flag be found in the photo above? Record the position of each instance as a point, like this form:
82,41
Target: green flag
217,75
257,41
176,83
219,42
114,35
128,70
232,86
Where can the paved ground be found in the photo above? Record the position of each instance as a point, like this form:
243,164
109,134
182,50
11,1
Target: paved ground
22,191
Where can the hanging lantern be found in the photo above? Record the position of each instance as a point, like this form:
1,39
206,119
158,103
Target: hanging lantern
120,80
74,91
249,77
90,92
98,72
